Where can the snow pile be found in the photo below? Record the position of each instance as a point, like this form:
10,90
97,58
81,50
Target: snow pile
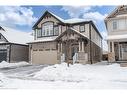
82,73
3,80
5,64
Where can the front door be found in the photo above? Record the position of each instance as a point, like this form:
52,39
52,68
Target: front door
123,51
74,49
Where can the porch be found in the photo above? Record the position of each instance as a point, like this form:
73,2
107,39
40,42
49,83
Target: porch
118,50
72,47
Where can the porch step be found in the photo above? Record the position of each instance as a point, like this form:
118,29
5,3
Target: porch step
123,64
121,61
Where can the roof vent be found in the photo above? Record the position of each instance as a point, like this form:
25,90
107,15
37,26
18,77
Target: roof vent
1,28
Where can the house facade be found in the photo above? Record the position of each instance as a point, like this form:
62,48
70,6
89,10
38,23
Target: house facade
116,24
71,41
13,47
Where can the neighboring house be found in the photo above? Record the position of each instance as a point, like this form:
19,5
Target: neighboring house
72,40
116,24
13,47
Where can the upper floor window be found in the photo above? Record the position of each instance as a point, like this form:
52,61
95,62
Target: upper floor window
56,30
47,29
82,28
38,32
114,25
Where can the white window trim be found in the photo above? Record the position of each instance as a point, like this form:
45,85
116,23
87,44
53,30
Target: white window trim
47,29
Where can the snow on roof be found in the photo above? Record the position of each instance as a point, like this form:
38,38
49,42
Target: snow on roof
44,39
70,21
74,20
113,37
16,36
57,16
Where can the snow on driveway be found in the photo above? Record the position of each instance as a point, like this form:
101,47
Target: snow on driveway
59,76
20,70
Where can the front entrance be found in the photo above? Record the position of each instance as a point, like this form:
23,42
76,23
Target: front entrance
3,55
69,49
74,49
123,51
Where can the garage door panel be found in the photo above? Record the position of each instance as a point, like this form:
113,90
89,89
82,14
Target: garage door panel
3,55
44,57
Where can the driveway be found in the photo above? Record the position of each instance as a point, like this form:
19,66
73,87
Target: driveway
25,71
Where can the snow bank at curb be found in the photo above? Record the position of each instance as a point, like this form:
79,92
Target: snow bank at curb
80,73
5,64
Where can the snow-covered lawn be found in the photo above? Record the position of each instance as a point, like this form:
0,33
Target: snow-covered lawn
77,76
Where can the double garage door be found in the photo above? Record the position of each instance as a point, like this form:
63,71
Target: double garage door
44,57
3,55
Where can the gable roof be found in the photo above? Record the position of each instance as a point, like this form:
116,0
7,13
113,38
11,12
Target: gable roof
67,21
47,12
120,9
72,30
15,36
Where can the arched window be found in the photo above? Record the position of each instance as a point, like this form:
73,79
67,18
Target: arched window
47,29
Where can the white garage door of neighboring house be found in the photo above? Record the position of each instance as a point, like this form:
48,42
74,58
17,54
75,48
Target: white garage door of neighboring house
44,57
3,55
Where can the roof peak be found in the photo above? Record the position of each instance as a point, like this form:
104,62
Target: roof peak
1,28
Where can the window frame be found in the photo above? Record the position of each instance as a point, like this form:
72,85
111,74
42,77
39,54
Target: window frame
49,33
56,26
81,28
114,25
39,29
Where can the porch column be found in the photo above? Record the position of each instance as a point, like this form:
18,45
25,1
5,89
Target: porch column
79,46
119,50
109,46
61,47
113,47
82,46
58,47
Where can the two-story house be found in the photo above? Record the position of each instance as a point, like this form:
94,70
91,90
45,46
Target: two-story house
116,24
71,40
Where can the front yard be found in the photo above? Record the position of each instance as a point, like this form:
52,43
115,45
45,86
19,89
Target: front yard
59,76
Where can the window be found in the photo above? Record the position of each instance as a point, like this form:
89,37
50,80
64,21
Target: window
0,36
125,47
114,25
56,30
38,32
82,28
122,24
47,29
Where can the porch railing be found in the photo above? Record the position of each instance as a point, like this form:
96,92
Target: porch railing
75,58
63,58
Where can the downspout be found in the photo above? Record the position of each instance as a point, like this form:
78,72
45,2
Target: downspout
91,61
101,49
9,54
